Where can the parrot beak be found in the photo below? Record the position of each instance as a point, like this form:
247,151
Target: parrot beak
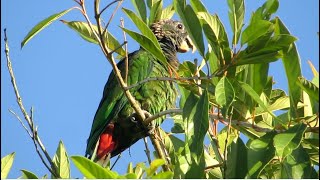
186,44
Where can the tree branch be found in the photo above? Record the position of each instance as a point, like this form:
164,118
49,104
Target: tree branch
34,137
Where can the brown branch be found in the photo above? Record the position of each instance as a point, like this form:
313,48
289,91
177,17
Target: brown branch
35,137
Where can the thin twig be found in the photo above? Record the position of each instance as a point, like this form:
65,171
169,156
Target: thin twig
147,151
35,137
111,17
126,49
29,133
213,166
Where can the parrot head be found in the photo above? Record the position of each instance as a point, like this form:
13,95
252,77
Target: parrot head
172,33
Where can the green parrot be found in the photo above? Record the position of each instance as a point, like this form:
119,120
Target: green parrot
115,125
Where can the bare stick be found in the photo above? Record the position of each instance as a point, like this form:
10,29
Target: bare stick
147,151
35,137
21,122
126,49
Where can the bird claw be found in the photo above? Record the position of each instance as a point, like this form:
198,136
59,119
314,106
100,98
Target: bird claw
149,128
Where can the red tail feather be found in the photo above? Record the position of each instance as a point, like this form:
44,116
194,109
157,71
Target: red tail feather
107,142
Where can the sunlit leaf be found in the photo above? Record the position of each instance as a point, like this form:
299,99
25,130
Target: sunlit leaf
309,87
236,16
6,163
41,25
255,30
163,175
61,162
155,164
84,30
167,12
28,175
92,170
141,8
155,12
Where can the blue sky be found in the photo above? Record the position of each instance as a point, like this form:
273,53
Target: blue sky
62,76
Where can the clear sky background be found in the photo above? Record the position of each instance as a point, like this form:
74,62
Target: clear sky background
62,76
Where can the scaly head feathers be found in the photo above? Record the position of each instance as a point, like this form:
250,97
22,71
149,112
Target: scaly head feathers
172,37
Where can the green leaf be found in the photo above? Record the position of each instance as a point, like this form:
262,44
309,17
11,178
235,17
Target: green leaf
61,162
28,175
84,30
248,89
163,175
236,16
167,12
155,164
297,166
141,8
92,170
147,44
289,140
195,114
291,62
260,153
130,168
311,89
255,30
192,24
198,6
6,163
144,29
258,57
270,7
224,94
237,152
41,25
178,124
155,12
130,176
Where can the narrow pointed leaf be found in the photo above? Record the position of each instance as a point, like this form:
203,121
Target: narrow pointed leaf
198,6
147,44
92,170
6,163
291,62
83,29
61,161
236,16
41,25
144,29
237,152
155,12
167,12
141,8
192,24
311,89
28,175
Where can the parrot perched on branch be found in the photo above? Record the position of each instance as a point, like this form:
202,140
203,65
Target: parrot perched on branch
115,126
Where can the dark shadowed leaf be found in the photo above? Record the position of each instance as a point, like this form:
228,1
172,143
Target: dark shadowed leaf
83,29
28,175
61,161
237,153
41,25
6,163
92,170
291,62
297,165
260,153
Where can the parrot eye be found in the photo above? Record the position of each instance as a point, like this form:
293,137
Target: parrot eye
180,26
